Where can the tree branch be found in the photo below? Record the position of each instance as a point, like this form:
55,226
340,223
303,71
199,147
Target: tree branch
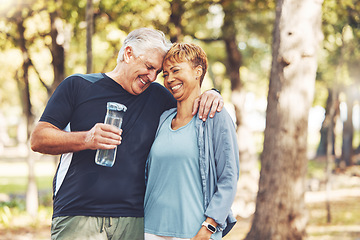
47,87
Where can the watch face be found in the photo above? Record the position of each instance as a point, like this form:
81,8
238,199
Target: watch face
211,228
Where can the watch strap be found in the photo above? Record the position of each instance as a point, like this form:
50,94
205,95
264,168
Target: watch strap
209,226
216,90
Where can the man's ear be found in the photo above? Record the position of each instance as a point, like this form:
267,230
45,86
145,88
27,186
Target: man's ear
128,54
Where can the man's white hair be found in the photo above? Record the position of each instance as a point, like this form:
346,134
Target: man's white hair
144,39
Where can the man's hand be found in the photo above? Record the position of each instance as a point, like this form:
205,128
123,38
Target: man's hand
48,139
210,101
103,136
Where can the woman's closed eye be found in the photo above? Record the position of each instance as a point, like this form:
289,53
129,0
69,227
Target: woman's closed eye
173,71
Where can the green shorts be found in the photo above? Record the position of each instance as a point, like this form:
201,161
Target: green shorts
97,228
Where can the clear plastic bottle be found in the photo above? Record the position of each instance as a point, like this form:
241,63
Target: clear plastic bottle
114,116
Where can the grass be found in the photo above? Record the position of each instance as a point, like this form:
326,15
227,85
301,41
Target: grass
345,220
316,169
17,185
343,212
15,223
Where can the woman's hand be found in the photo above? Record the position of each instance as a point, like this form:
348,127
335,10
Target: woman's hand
203,234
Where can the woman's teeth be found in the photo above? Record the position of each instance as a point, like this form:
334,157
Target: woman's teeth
176,87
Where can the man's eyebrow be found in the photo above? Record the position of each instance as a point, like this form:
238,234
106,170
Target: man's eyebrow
153,67
148,64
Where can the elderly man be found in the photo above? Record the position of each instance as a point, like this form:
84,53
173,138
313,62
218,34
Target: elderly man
91,201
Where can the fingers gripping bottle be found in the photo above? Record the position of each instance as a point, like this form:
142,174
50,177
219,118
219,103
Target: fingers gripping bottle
114,116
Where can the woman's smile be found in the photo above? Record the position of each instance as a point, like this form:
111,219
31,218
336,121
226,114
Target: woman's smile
176,87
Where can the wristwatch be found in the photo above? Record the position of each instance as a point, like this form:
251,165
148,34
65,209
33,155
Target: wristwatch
216,90
209,227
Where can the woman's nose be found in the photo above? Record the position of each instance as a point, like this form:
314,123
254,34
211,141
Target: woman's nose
169,78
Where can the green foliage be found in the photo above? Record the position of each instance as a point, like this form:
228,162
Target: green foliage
14,203
5,215
200,22
9,209
15,211
15,187
341,27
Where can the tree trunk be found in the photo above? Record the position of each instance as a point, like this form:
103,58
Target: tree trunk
32,197
175,28
328,124
280,207
354,71
330,153
57,48
249,173
23,82
89,34
348,130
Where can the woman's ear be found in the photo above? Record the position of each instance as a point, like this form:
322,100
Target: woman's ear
199,71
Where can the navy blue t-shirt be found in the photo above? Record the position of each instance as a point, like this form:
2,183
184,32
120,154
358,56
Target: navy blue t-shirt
81,187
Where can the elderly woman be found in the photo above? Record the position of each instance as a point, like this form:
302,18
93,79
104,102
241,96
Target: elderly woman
193,166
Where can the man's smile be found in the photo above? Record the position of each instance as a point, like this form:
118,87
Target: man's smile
144,82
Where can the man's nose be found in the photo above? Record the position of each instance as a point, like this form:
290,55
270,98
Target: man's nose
152,75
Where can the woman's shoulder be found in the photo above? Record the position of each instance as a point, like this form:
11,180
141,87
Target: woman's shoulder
222,121
166,114
223,115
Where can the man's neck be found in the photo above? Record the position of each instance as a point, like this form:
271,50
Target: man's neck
115,74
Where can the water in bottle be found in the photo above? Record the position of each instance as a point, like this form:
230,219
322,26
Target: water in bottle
114,116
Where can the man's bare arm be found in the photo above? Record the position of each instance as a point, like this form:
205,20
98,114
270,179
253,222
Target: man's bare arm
48,139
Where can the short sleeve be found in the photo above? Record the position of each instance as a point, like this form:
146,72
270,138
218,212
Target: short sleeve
60,106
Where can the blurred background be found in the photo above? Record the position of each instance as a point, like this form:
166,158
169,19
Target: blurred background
43,41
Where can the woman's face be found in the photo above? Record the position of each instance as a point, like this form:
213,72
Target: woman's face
181,79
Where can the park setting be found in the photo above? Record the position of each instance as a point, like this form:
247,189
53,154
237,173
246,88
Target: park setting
288,72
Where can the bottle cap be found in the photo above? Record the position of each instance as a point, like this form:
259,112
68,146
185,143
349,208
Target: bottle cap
116,106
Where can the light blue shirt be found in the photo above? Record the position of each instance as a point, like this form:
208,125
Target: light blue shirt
219,165
174,198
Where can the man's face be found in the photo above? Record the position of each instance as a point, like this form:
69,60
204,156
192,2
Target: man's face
142,71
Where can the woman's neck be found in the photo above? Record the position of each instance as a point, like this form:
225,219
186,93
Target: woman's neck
184,113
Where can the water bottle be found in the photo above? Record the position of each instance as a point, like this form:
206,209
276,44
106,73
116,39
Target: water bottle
114,116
